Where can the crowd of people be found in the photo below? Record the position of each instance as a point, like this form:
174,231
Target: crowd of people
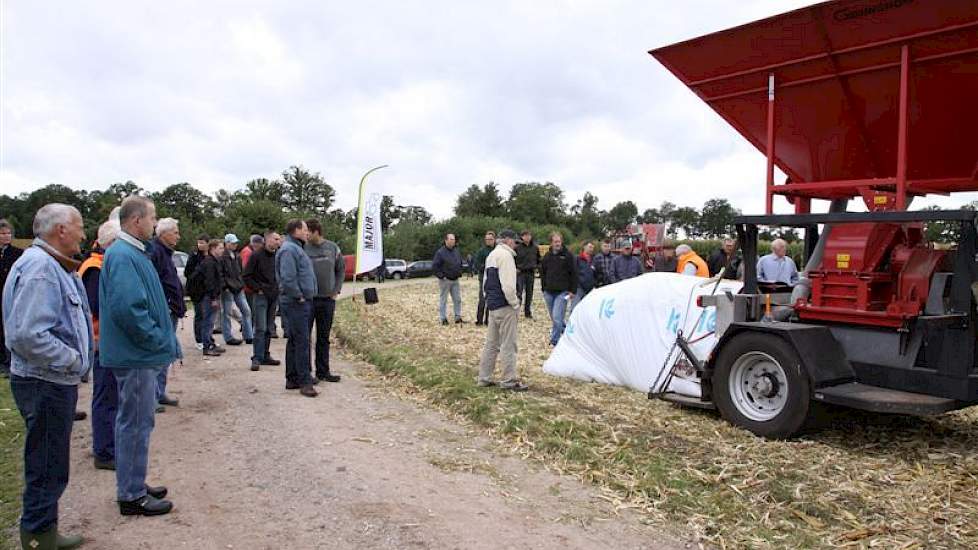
113,315
507,268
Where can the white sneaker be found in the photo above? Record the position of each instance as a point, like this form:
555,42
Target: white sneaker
200,346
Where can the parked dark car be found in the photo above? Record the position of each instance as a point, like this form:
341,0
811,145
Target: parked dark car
418,269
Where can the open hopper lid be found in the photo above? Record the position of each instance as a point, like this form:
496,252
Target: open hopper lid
836,68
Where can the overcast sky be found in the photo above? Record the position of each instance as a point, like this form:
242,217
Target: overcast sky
447,93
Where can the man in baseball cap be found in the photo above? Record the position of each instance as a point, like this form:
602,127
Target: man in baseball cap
232,294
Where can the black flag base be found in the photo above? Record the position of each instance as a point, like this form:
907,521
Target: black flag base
370,295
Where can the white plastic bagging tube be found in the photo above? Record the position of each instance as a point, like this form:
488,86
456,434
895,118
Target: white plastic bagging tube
620,334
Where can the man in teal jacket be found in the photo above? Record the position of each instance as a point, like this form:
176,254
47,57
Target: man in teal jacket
136,340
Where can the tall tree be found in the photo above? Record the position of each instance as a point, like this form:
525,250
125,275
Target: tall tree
716,218
534,202
416,215
306,191
685,219
389,212
184,202
256,217
222,202
620,216
586,216
476,201
264,189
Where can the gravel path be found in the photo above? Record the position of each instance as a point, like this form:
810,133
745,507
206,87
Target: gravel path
250,465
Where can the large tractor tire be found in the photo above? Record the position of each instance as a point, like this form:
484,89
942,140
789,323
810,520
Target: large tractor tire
760,384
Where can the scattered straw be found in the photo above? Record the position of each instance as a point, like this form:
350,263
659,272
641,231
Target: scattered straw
862,481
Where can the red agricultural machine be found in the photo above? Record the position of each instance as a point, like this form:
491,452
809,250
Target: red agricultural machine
645,239
874,100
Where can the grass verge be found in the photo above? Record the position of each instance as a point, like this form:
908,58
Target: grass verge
864,481
11,461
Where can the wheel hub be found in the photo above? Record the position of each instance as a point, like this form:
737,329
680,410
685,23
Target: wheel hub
758,386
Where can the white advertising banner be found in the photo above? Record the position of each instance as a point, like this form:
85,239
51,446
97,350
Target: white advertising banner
370,234
620,334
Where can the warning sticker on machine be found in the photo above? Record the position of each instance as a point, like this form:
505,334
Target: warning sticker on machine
842,261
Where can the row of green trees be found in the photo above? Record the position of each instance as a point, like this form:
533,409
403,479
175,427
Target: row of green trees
545,203
409,231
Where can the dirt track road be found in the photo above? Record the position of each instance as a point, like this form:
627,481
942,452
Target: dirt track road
250,465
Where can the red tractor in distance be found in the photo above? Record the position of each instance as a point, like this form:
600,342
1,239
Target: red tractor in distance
646,240
852,99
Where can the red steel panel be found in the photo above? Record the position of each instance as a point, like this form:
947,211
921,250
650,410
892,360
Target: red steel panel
837,69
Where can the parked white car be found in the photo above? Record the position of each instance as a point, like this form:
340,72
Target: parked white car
395,268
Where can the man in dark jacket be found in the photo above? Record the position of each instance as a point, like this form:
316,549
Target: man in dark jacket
625,266
558,278
602,264
329,266
447,266
233,294
196,256
527,261
259,276
8,255
161,254
666,261
105,391
210,268
479,265
725,258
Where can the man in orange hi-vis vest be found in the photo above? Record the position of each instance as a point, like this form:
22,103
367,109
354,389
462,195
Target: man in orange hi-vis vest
690,262
105,393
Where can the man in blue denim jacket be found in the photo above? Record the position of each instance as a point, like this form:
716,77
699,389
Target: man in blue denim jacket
136,340
49,333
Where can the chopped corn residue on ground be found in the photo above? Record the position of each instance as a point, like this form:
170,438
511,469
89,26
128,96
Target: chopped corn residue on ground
861,480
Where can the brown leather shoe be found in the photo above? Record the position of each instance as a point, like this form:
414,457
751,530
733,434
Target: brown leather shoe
308,391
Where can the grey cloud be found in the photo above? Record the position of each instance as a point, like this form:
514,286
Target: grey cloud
447,93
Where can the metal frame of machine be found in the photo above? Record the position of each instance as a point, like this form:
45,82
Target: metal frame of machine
834,95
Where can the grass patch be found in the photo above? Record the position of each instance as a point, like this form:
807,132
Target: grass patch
11,466
863,480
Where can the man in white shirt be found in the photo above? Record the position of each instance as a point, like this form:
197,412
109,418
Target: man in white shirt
777,267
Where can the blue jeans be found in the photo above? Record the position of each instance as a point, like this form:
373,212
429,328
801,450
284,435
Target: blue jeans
227,298
206,333
48,410
264,322
161,377
323,310
556,306
445,287
133,425
296,318
105,406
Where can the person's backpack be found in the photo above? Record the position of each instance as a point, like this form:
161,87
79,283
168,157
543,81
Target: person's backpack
195,285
